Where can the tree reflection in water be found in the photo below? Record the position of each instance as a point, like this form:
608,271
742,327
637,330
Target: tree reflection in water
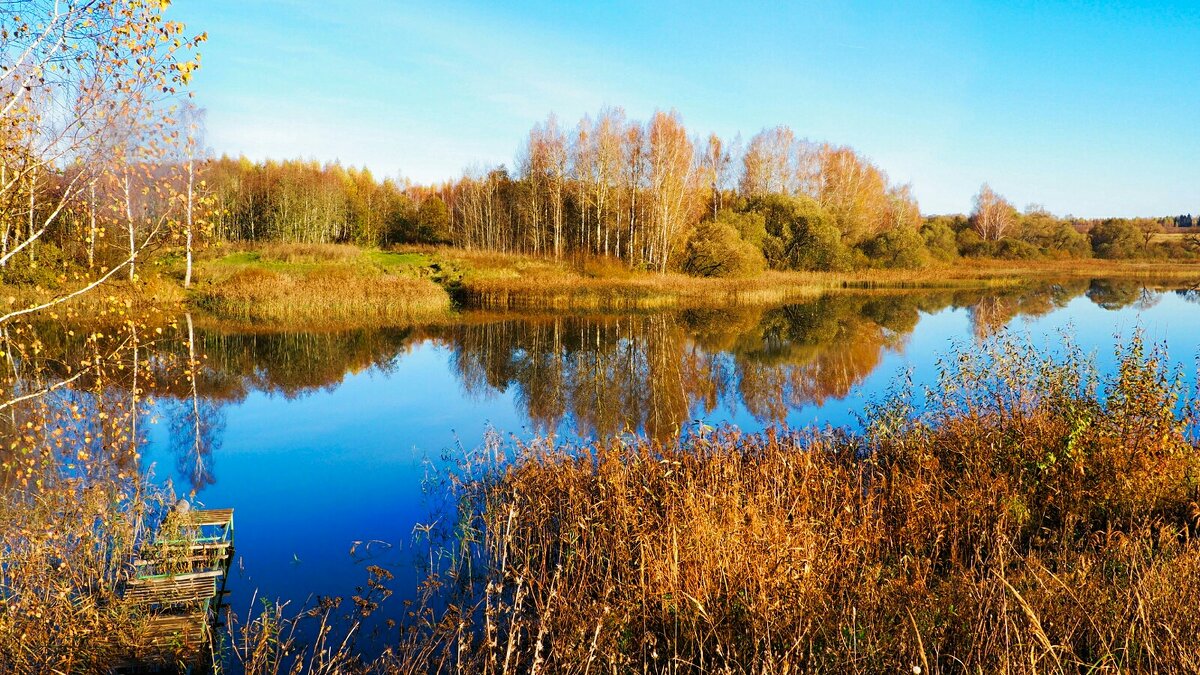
602,375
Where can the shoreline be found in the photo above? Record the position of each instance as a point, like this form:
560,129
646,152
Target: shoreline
350,287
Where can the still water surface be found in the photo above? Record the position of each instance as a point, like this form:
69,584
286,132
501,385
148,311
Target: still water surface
321,440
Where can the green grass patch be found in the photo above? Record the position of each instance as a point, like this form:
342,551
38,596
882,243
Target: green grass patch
405,261
239,258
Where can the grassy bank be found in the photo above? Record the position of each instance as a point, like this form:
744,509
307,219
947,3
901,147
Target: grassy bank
333,286
328,284
496,281
331,282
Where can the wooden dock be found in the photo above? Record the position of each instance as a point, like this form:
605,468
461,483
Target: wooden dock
180,581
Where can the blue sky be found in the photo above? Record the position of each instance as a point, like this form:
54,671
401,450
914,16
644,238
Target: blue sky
1089,108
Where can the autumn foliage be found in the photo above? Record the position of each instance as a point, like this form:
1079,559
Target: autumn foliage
1029,516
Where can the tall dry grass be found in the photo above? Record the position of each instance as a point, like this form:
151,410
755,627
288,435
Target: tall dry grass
1030,516
500,281
336,295
308,253
317,285
66,554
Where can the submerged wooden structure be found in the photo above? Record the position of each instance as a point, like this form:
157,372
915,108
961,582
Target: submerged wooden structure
180,581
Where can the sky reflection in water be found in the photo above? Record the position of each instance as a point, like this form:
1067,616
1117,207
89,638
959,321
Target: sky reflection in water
323,440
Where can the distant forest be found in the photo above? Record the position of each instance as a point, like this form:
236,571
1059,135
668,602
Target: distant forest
657,197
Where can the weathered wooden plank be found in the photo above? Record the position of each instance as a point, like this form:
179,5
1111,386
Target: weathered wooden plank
174,593
206,517
185,545
206,574
185,605
176,630
190,559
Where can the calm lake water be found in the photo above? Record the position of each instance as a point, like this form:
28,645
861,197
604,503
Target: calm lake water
321,440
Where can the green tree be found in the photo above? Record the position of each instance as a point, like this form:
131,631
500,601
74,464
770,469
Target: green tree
433,221
799,234
1011,248
1115,239
399,217
971,244
901,247
717,247
939,238
1054,237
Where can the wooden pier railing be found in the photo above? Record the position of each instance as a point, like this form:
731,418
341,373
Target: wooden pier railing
180,581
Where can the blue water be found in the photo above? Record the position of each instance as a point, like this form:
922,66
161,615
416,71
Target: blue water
349,458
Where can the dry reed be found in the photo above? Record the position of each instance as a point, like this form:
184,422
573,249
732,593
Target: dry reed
334,296
1034,517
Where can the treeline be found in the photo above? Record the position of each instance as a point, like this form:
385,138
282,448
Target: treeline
609,186
640,192
657,197
995,228
307,202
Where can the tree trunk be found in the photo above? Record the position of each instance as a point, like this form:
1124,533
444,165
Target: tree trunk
187,275
129,224
92,226
32,209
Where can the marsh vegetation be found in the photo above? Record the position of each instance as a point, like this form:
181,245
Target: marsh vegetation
1032,490
1026,515
767,416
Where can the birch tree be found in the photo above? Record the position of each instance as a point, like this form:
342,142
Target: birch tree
715,163
192,123
767,166
670,180
74,76
992,216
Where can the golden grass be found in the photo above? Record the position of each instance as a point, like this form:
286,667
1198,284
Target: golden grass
334,285
151,291
332,296
1176,236
309,253
1024,524
1089,268
563,289
318,286
507,281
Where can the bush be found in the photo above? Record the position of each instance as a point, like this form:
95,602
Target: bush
1116,239
972,245
1054,238
1178,250
716,249
1015,249
44,271
939,239
1070,241
799,234
818,245
751,227
901,248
